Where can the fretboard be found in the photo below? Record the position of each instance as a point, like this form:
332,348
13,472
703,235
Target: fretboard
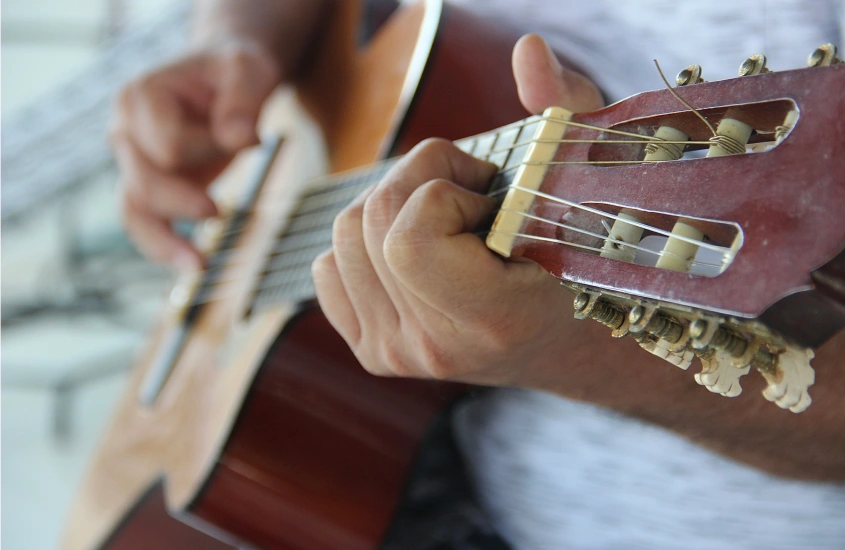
287,273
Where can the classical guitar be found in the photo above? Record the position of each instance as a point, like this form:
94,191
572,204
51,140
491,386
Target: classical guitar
247,416
700,221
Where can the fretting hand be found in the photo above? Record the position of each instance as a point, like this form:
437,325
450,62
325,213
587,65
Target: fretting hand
415,293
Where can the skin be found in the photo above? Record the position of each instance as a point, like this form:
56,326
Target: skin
407,284
175,128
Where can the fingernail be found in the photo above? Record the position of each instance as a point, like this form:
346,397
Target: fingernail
186,261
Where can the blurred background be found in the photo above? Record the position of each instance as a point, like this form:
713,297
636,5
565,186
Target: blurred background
76,299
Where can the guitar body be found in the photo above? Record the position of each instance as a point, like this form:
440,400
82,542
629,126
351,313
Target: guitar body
267,433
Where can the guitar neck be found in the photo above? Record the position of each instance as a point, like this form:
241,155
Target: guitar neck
286,276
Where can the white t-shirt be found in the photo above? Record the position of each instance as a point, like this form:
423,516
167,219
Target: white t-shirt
554,474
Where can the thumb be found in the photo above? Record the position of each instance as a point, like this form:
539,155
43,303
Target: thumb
245,80
542,82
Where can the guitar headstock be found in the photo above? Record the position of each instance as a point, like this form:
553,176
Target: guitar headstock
681,216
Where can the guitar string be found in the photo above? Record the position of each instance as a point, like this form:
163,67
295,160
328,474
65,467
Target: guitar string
344,190
275,282
304,276
640,140
322,208
519,126
658,253
272,275
281,267
496,134
321,227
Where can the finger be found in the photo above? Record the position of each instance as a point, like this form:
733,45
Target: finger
370,301
542,82
245,80
431,254
156,239
166,195
334,299
162,126
431,159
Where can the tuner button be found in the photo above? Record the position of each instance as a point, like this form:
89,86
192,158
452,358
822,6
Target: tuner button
789,383
824,56
720,376
690,75
756,64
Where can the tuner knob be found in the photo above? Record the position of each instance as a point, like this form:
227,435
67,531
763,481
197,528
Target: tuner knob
756,64
690,75
824,56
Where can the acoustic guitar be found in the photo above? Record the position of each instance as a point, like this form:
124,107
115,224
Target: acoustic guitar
700,221
246,415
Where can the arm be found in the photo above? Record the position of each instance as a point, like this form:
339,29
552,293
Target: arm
404,256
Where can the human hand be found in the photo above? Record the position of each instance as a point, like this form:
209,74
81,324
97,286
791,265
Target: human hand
175,129
415,293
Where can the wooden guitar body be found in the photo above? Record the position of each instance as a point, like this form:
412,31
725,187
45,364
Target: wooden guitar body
267,433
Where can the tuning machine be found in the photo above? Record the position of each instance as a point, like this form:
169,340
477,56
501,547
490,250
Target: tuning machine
728,348
690,75
824,56
754,65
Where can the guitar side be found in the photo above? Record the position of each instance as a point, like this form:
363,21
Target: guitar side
283,441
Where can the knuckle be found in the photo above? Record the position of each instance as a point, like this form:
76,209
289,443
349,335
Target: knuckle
370,361
347,223
394,360
433,147
381,206
434,193
400,252
238,58
433,358
169,153
322,267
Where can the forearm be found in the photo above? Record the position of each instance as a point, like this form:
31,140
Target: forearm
284,28
808,445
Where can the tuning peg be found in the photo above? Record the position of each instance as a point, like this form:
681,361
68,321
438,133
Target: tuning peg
756,64
824,56
690,75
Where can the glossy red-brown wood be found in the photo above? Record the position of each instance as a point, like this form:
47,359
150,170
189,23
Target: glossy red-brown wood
320,452
150,526
788,201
